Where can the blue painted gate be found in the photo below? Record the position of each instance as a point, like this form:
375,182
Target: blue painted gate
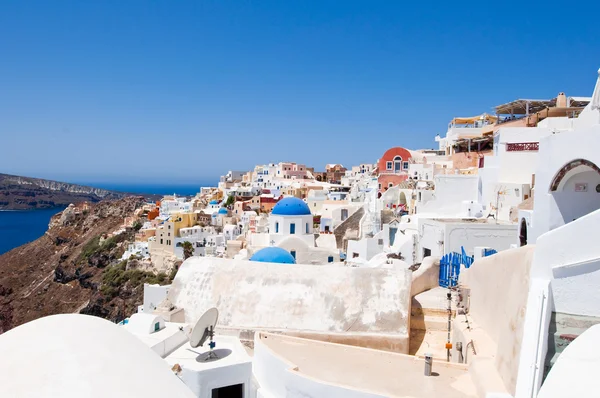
450,265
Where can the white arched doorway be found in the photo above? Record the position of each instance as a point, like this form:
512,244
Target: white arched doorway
576,191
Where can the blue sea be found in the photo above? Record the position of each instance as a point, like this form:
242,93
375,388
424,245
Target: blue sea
162,189
22,226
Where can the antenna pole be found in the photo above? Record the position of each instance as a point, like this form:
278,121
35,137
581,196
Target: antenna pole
211,345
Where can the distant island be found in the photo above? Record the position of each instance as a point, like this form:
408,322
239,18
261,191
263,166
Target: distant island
25,193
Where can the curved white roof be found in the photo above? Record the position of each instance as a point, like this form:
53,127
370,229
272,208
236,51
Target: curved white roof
575,373
75,355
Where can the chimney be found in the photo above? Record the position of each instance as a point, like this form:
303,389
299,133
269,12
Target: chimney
561,100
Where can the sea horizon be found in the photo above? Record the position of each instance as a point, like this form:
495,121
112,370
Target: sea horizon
184,189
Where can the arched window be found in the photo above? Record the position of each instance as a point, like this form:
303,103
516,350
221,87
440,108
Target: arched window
397,164
276,227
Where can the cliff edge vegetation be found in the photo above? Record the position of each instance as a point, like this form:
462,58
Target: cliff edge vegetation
77,267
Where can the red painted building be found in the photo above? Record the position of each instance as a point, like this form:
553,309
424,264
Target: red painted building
393,167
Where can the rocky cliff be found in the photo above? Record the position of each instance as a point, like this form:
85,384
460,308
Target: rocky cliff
19,193
76,267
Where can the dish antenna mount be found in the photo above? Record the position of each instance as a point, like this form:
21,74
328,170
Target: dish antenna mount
205,329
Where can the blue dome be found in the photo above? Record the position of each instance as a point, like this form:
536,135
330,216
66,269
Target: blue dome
213,202
273,255
222,210
291,207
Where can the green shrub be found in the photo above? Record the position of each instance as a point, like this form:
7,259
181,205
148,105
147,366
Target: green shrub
116,277
90,247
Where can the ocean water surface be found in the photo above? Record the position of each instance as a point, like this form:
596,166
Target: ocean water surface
157,189
22,226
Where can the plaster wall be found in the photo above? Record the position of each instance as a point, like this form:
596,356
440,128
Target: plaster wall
558,123
499,288
426,277
406,244
280,378
556,151
450,192
518,166
366,248
371,307
571,204
570,258
309,254
445,237
285,222
153,296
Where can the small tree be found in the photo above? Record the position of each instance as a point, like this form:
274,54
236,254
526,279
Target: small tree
230,200
137,225
188,250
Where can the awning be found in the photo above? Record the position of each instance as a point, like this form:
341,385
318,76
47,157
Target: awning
473,119
524,106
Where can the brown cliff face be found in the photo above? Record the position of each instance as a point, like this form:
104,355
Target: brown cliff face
73,269
23,193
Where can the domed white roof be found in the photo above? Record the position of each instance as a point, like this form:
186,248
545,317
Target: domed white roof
75,355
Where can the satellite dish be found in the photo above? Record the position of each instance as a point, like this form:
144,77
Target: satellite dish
204,328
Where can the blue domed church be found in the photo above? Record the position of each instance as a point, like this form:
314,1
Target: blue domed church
291,229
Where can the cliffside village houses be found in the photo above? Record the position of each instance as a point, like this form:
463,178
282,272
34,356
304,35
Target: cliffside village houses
477,259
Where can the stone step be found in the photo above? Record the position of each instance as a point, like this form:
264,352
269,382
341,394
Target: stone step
418,311
429,323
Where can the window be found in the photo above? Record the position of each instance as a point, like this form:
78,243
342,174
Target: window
379,186
344,214
169,227
426,252
354,255
169,234
235,391
397,164
390,185
419,196
330,259
156,326
380,242
276,227
307,228
161,241
388,165
293,252
292,228
405,165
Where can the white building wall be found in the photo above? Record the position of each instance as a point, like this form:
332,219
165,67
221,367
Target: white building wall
340,303
450,192
153,296
446,237
277,378
556,151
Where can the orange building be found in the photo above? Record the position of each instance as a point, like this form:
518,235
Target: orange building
393,167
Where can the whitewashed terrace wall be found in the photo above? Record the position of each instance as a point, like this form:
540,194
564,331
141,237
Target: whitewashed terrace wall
499,289
368,307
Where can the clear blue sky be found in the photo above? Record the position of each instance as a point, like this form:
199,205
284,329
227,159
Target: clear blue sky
176,91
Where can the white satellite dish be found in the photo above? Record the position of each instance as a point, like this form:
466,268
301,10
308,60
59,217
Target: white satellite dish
205,328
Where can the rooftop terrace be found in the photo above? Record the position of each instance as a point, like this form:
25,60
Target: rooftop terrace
377,372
